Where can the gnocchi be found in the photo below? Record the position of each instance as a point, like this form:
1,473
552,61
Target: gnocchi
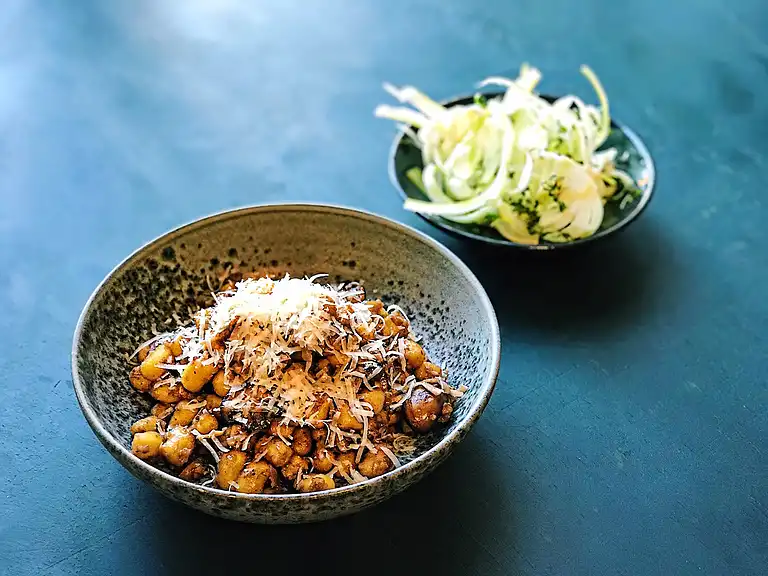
287,385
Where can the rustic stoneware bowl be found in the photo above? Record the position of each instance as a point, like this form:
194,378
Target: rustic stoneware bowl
447,305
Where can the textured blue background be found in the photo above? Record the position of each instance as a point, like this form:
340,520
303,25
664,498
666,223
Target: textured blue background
627,434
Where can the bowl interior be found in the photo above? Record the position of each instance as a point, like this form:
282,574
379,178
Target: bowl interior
169,279
633,158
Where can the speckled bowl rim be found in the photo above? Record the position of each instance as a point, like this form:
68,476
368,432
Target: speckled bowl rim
462,427
630,217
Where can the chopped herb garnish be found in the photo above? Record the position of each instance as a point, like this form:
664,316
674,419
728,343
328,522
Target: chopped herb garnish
481,100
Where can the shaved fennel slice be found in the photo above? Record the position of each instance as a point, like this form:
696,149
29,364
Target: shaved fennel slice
480,216
605,113
491,193
603,159
525,175
428,184
496,81
527,80
401,114
554,220
587,216
512,226
580,195
420,101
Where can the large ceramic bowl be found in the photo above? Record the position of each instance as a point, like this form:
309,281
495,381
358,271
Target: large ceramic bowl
447,305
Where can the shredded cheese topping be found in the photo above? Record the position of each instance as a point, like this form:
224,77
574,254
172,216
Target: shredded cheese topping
275,340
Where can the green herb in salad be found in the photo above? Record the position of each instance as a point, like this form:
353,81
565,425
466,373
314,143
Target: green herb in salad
529,168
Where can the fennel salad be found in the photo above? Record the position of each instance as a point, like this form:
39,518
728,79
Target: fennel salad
530,168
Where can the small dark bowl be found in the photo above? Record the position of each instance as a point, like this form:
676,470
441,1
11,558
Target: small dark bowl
633,158
448,308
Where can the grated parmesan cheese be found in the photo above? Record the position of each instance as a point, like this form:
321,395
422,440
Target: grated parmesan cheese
271,338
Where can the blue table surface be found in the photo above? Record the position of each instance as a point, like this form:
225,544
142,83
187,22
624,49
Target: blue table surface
627,434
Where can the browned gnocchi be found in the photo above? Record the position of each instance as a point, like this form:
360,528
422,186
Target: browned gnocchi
287,385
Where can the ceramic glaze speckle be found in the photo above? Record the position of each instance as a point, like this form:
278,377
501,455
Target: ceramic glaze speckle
168,278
